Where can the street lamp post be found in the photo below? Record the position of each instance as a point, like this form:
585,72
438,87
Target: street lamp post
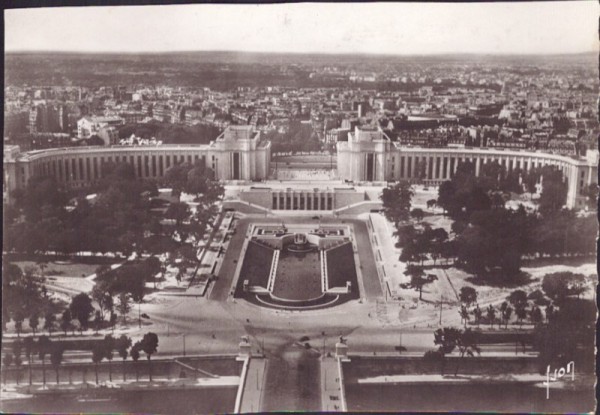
441,306
184,345
139,316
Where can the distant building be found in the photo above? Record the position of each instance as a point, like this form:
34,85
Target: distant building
88,126
132,117
48,118
15,123
336,134
109,135
50,140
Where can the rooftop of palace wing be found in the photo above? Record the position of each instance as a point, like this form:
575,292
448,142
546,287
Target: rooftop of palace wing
239,132
368,134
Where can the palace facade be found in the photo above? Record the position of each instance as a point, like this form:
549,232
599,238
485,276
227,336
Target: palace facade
237,154
368,155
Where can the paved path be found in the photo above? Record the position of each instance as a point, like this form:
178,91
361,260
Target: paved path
331,395
370,278
222,286
254,387
293,380
394,269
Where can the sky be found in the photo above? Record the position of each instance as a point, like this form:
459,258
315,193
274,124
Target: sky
378,28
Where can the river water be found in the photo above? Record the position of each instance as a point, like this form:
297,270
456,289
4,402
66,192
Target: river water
467,398
181,402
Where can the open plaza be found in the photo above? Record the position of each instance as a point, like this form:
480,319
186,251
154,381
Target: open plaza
295,282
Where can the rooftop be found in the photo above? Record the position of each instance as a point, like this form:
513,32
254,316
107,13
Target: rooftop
238,132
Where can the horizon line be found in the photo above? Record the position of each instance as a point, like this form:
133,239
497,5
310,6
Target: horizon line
387,54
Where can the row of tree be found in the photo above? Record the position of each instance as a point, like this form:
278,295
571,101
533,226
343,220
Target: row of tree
566,333
121,221
101,350
466,193
24,295
492,242
24,298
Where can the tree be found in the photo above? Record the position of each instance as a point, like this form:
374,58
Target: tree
176,177
49,322
464,314
123,344
7,362
154,266
123,306
506,313
530,179
568,335
560,285
591,191
101,271
16,349
521,312
34,321
467,344
98,320
467,295
149,345
56,357
108,344
42,266
493,244
445,198
550,311
135,355
518,298
396,202
418,278
535,316
18,318
538,298
179,212
97,356
417,214
458,226
101,295
44,346
491,315
39,194
134,277
554,189
113,320
477,313
446,339
65,320
81,308
497,200
29,344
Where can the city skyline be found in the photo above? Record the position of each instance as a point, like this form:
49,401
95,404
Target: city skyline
535,28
